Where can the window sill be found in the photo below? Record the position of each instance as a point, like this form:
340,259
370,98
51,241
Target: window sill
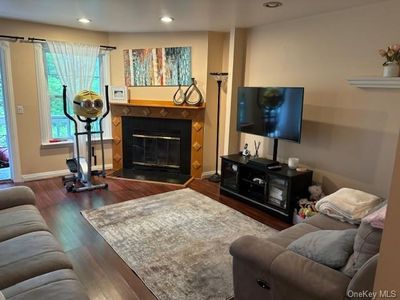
70,143
63,144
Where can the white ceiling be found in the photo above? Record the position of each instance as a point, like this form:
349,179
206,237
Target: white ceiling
143,15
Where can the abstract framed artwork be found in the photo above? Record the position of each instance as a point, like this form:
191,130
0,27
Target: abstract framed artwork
158,66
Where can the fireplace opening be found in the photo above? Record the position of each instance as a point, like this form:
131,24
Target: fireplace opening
156,149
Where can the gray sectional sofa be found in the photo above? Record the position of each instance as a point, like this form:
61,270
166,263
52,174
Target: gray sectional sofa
32,263
264,269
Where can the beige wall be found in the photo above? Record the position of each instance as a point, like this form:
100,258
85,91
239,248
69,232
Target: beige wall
33,158
207,56
349,134
388,272
224,90
216,53
236,68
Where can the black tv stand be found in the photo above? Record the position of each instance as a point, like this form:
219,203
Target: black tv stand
275,190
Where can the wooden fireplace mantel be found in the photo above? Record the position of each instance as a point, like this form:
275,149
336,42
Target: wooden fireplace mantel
164,110
159,103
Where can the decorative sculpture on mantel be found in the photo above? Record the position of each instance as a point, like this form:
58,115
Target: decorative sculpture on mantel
192,95
179,96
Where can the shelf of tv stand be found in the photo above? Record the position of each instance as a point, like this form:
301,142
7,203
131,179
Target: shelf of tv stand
290,184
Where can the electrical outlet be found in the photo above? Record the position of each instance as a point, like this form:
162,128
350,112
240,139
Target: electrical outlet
20,109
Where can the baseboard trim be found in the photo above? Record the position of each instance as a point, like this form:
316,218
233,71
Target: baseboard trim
57,173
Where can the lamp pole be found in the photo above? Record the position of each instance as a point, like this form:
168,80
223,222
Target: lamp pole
219,77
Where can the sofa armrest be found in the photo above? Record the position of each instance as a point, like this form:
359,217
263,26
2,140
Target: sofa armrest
297,277
15,196
364,279
252,259
256,252
263,270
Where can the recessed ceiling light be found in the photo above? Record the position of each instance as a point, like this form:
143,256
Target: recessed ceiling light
84,20
166,19
272,4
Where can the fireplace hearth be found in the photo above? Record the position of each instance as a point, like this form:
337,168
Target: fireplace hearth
152,175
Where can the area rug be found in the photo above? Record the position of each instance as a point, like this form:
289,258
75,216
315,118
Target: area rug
177,242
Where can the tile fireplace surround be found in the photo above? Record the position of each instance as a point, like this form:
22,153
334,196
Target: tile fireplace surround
164,110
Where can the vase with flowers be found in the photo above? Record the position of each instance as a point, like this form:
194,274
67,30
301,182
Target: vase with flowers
391,65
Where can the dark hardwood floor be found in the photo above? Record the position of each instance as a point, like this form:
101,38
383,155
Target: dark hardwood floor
100,269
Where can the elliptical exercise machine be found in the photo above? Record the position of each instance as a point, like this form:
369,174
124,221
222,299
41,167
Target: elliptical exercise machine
88,107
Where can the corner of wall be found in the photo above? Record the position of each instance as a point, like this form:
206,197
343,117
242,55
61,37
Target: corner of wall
215,55
236,70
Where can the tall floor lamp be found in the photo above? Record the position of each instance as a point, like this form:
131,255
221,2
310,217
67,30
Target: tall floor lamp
219,77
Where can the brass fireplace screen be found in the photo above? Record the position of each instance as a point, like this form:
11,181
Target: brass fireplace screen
156,151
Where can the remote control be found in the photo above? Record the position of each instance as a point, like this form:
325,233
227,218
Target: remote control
276,167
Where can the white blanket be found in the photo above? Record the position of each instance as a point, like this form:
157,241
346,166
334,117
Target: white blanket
348,205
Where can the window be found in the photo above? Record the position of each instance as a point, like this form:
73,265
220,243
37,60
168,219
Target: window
61,126
54,124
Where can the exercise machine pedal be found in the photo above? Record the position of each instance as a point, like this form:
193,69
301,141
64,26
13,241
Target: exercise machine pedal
72,165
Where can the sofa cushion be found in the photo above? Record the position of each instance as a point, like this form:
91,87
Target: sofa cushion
28,255
366,245
60,284
285,237
328,223
15,221
328,247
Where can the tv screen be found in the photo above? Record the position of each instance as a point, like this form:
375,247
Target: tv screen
274,112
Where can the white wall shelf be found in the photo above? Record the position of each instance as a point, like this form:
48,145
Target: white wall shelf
376,82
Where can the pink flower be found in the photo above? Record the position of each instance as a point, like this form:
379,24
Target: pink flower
382,52
391,54
395,47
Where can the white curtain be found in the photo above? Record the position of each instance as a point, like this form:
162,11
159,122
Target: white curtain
9,107
43,94
75,65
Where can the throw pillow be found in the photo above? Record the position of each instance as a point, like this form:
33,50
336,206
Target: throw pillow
328,247
348,205
377,218
366,245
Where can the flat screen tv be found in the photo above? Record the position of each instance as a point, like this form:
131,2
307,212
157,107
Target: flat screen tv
274,112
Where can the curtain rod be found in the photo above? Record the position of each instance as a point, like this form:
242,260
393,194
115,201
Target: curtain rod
37,40
10,37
